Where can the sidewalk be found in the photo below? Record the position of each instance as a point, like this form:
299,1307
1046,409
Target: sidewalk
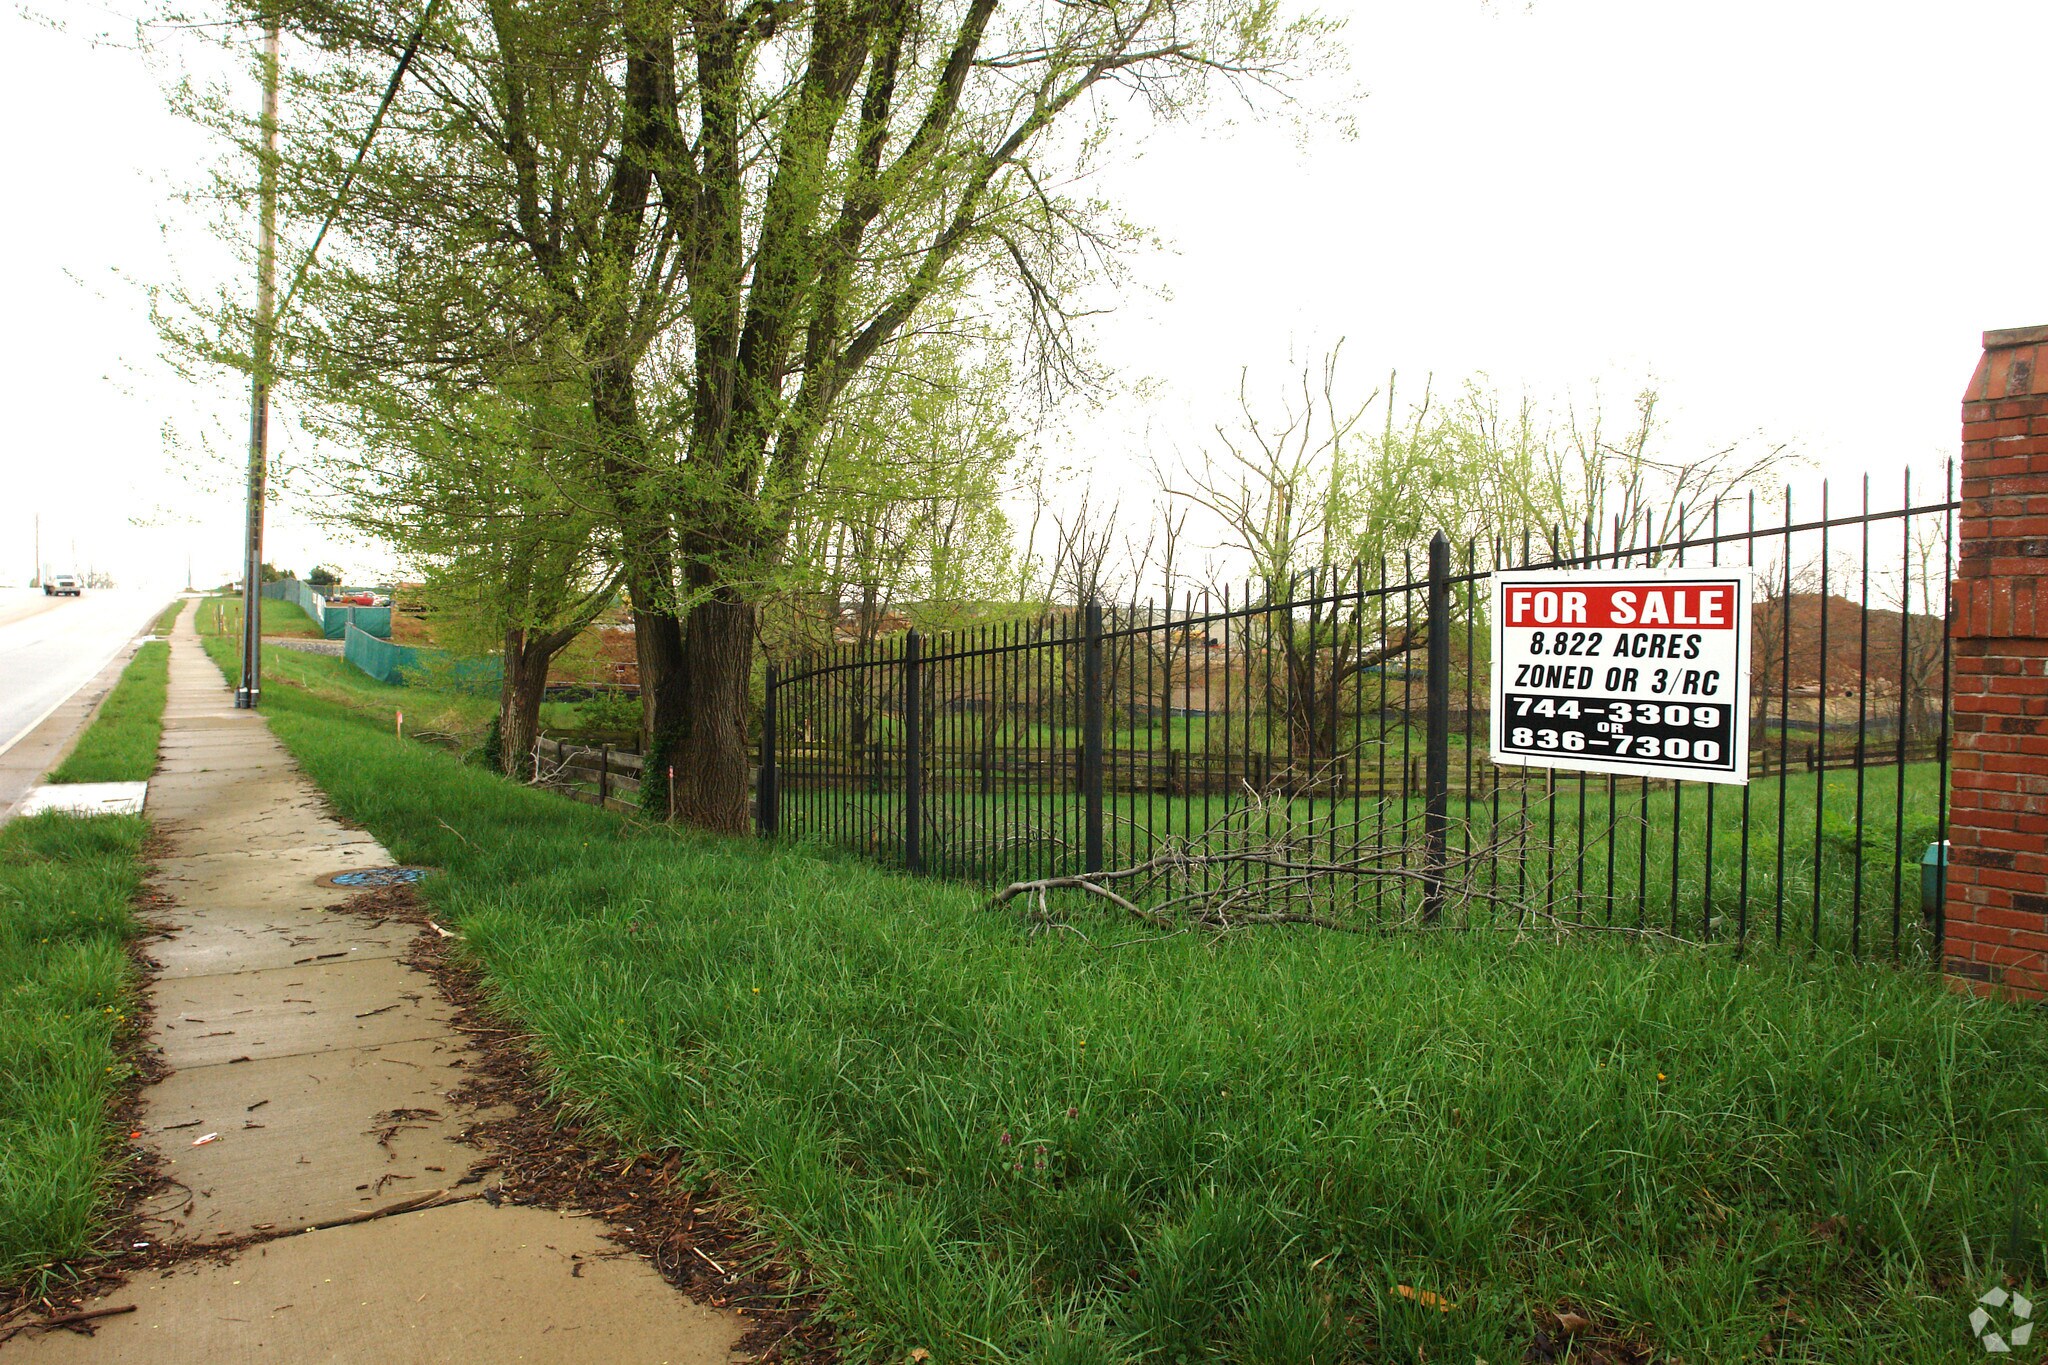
324,1065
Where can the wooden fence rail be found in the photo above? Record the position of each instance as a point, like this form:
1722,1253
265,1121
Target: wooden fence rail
597,776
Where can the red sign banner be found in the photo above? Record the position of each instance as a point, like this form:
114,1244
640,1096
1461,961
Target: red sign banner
1622,606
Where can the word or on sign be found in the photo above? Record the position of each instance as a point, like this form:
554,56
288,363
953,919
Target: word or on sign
1636,671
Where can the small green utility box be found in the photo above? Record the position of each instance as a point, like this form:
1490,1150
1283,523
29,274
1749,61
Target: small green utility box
1933,868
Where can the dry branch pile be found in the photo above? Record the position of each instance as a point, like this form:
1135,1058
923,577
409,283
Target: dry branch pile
1263,862
1266,863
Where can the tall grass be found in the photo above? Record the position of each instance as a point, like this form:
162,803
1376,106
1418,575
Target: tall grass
66,992
120,745
1000,1145
67,989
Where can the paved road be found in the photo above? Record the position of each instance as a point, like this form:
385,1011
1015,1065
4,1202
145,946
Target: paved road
52,646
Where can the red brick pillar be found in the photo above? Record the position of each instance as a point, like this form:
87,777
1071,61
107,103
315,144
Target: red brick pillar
1997,939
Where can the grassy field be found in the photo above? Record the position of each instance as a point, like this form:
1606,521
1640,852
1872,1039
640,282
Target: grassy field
286,619
169,617
995,1145
120,744
461,716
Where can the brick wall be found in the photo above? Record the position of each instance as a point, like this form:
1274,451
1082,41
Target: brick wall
1997,911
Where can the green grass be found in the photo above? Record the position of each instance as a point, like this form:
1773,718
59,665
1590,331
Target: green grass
169,618
462,715
66,990
1004,1146
67,987
120,744
1584,849
218,615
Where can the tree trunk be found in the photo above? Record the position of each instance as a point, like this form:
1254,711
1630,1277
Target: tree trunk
664,679
647,548
527,656
712,764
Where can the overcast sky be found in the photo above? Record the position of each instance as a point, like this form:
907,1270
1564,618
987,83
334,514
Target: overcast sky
1795,217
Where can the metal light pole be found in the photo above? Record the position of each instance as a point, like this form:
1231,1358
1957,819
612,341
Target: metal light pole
251,690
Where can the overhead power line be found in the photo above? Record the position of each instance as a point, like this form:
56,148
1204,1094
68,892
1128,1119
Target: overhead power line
348,180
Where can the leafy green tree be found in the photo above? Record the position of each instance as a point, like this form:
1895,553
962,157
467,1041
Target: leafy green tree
728,210
485,495
903,514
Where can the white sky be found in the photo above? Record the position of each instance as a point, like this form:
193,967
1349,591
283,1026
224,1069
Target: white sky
1796,216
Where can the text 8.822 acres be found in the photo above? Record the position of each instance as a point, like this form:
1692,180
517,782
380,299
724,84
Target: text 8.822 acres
1637,671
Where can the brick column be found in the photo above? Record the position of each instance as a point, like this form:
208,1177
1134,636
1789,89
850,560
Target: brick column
1997,939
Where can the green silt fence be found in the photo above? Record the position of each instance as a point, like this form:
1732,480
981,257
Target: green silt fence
335,620
399,664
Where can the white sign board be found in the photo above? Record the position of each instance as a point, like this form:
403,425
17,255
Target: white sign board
1643,672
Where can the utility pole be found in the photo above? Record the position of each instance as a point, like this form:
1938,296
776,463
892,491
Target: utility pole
251,690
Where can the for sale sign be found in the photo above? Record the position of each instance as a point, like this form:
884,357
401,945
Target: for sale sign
1635,671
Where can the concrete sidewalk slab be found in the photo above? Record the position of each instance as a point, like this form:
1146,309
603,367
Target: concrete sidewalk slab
256,828
285,1012
309,854
86,798
308,1139
455,1285
224,794
206,731
223,940
282,877
221,793
222,755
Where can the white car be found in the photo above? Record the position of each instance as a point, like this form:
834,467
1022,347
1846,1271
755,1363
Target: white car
63,585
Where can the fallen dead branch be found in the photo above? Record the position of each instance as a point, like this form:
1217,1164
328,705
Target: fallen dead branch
1264,863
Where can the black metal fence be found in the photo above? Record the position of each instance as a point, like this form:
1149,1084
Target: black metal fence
1338,722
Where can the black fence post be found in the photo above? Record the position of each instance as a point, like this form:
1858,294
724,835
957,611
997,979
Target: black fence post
1436,776
767,797
1091,731
604,776
913,752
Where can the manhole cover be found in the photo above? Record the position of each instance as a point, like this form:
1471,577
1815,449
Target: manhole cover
376,876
